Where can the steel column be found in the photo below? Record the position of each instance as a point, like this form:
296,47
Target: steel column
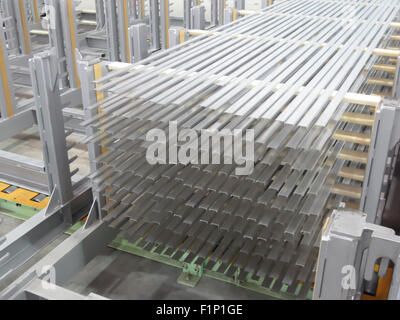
350,249
100,14
198,15
138,42
65,260
240,4
164,23
68,21
385,137
56,40
7,102
51,123
112,29
187,6
155,25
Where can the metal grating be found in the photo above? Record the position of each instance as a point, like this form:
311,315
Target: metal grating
289,73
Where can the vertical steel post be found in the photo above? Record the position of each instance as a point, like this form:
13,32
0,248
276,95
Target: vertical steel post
112,29
177,36
100,14
221,9
138,42
36,9
141,9
214,13
228,15
187,6
385,137
164,19
155,25
266,3
51,124
123,30
18,11
68,20
7,102
89,71
198,17
240,4
56,39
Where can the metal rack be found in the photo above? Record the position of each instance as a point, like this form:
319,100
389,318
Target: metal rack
304,76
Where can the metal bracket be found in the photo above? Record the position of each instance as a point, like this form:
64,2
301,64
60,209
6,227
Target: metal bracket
385,137
93,215
54,202
349,251
191,274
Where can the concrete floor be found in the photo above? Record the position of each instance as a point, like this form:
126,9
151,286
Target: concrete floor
121,276
115,274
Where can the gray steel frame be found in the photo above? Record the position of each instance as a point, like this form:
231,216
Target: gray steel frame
75,252
198,16
81,247
385,138
68,203
14,10
4,112
349,242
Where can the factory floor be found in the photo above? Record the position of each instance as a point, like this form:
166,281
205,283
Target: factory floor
118,275
115,274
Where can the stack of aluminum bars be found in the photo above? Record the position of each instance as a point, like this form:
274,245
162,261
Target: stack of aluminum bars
285,73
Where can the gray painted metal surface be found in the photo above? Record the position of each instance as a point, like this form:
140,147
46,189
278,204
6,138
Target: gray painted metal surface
350,249
285,74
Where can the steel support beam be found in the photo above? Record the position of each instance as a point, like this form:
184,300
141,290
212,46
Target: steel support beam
138,42
122,16
214,12
56,39
266,3
221,9
240,4
112,29
385,138
177,35
198,16
100,14
164,23
89,71
51,123
228,15
15,125
187,7
65,260
68,22
68,204
350,249
23,171
27,239
155,25
22,27
7,101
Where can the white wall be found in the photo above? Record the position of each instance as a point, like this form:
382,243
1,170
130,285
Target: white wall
87,5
